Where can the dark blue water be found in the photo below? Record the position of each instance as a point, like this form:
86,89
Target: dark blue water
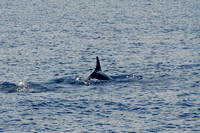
151,49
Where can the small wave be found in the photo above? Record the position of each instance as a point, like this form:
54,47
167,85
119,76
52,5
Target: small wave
119,78
86,81
188,66
21,86
127,78
56,85
83,80
7,87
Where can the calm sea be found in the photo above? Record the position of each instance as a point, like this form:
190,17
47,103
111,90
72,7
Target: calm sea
151,49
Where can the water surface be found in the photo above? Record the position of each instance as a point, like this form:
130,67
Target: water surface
149,48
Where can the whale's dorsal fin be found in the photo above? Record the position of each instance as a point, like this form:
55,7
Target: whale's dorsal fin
98,66
98,74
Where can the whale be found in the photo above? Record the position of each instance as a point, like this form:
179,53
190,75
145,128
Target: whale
97,73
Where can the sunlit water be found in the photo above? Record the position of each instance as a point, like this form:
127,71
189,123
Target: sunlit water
151,49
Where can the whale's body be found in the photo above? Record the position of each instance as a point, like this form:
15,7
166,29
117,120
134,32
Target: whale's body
98,74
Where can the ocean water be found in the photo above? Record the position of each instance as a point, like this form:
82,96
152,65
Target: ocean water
151,49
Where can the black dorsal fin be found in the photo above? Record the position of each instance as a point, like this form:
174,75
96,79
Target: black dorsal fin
98,66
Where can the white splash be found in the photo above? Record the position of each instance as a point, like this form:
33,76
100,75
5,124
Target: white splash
21,86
